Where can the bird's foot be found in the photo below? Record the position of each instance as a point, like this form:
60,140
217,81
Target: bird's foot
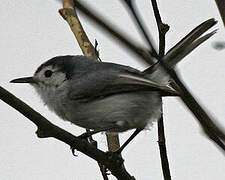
86,135
73,148
73,151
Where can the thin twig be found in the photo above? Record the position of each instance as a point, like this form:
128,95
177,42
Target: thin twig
210,128
144,33
162,149
162,29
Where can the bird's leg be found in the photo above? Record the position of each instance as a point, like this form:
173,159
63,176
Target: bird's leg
117,153
135,133
90,133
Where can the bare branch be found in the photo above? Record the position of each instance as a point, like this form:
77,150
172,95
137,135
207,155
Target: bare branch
131,7
47,129
69,14
162,29
163,151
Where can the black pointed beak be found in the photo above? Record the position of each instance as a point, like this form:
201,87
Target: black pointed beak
24,80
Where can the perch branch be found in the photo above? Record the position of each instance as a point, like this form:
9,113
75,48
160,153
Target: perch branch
47,129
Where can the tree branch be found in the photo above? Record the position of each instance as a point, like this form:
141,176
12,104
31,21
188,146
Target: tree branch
47,129
162,29
69,14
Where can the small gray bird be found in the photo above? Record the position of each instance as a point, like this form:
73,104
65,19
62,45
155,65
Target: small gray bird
98,95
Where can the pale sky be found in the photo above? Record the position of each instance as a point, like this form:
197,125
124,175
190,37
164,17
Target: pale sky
33,32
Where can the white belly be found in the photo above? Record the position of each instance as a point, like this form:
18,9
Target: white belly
123,112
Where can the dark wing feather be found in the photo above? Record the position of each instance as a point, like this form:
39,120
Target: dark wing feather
105,79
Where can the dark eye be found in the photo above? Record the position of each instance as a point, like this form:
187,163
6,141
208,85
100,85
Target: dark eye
48,73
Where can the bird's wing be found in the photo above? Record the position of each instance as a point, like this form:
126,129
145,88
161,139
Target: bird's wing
109,81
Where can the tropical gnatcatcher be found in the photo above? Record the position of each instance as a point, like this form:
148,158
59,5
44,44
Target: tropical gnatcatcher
98,95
